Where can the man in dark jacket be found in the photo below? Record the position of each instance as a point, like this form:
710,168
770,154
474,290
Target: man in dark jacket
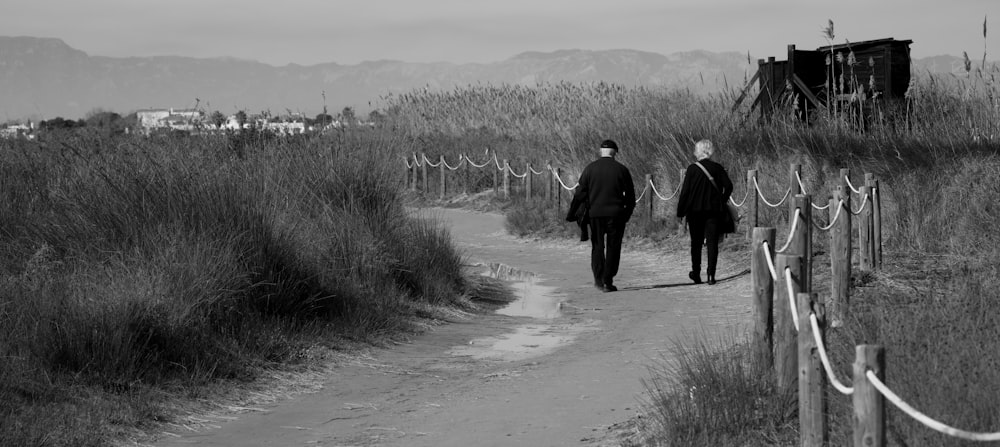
607,192
704,194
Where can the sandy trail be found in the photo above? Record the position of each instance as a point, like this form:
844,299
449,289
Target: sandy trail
557,368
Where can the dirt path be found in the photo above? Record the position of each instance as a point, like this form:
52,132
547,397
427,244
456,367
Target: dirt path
558,368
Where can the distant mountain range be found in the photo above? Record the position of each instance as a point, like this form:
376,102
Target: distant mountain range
43,78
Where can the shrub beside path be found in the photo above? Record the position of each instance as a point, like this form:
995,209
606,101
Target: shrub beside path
566,379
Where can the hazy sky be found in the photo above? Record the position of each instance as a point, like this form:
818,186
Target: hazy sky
308,32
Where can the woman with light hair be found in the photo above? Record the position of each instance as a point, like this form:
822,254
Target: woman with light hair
702,203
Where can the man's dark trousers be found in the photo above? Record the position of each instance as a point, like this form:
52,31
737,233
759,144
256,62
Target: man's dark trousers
704,228
606,235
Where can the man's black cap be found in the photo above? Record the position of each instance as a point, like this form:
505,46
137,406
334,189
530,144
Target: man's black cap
609,144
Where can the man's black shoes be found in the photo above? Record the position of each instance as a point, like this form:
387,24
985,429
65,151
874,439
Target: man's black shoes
694,277
711,280
605,287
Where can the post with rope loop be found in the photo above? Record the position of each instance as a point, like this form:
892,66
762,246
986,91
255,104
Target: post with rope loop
870,182
794,173
877,223
506,179
649,181
869,404
496,179
865,240
845,188
468,176
527,181
411,175
840,255
802,239
559,190
752,207
442,168
548,184
785,335
423,171
762,285
812,377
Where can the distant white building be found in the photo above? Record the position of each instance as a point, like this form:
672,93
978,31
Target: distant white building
18,131
171,118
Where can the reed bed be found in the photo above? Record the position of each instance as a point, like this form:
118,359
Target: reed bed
139,271
935,154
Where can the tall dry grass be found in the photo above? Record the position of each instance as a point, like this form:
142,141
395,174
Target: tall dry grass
138,269
935,155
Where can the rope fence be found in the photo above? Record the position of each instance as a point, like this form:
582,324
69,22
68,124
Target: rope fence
811,373
777,340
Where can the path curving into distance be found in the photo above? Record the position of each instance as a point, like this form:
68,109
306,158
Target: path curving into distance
559,367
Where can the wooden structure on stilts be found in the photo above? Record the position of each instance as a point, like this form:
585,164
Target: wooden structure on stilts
850,79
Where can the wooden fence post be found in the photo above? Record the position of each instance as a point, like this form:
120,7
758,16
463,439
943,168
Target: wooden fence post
549,184
865,230
785,337
468,174
877,224
496,178
559,190
840,257
506,179
527,181
442,170
794,172
762,285
651,202
869,404
812,378
423,171
413,174
752,211
802,239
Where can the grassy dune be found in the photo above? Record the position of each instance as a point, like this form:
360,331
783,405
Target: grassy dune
137,271
932,307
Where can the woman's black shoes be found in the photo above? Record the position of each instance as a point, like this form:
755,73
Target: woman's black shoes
695,277
711,280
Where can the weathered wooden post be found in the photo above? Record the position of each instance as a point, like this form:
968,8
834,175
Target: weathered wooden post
527,181
873,199
762,285
496,177
559,189
506,179
794,171
752,212
812,378
413,174
869,404
785,338
650,202
840,256
877,224
802,239
865,230
443,168
423,170
468,174
549,184
845,174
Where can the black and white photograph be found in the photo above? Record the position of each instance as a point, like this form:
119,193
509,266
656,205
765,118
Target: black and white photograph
442,223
